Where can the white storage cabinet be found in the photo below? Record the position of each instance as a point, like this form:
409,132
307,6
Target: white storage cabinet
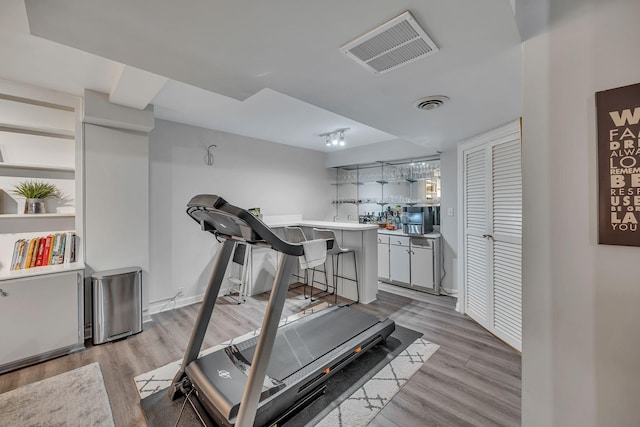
41,316
422,263
383,257
399,268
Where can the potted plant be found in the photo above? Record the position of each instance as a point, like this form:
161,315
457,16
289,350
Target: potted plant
35,192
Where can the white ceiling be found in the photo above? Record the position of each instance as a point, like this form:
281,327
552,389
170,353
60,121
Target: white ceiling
273,70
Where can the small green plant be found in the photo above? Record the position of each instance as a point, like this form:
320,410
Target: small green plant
36,190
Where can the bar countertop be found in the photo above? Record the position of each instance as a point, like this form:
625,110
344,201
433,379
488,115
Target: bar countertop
351,226
431,235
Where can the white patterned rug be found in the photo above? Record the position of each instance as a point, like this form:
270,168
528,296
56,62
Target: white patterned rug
365,403
160,378
355,408
74,398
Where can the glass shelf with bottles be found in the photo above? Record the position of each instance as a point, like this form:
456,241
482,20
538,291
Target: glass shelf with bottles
387,184
398,201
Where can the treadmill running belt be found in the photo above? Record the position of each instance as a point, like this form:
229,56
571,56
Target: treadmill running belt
302,342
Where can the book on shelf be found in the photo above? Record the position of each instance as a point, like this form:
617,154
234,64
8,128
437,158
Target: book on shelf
53,252
40,252
69,242
27,261
53,249
74,246
63,239
47,250
16,254
20,254
34,253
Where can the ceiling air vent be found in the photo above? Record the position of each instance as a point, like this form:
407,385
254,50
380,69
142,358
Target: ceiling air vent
394,44
431,102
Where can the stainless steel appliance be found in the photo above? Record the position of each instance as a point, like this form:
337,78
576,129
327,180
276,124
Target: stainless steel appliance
413,220
117,304
420,220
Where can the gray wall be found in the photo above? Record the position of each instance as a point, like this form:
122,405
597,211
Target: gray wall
581,315
279,179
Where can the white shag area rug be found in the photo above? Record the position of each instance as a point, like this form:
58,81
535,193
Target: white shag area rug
357,409
74,398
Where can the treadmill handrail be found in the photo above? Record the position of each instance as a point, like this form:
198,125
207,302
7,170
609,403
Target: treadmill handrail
217,216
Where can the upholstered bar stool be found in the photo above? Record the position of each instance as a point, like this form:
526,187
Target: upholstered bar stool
296,235
336,252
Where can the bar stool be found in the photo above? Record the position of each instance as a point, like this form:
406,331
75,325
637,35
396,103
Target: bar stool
241,253
336,252
296,235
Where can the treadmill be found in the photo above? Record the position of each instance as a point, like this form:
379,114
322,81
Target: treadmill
265,379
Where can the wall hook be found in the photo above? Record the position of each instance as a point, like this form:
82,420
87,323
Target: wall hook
210,159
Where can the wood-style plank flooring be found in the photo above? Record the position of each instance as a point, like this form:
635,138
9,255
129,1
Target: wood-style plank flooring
472,380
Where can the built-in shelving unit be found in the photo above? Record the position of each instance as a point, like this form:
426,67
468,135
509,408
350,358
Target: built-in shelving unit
46,168
40,216
40,271
40,140
38,131
362,189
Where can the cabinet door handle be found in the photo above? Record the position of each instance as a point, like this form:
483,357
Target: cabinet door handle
487,236
3,293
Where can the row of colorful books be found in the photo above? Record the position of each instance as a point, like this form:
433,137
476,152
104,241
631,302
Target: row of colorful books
59,248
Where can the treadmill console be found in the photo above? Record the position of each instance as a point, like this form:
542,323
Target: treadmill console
216,215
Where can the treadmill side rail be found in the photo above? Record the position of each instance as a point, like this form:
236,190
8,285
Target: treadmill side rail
251,395
204,316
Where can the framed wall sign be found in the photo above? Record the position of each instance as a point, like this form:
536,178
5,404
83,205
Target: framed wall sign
618,120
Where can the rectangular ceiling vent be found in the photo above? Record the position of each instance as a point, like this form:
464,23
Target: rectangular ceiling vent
394,44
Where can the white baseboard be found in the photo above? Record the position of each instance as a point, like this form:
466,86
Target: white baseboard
451,292
165,305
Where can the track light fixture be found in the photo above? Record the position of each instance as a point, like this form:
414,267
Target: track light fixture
335,138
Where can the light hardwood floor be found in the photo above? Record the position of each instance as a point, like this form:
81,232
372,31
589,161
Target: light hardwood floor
472,380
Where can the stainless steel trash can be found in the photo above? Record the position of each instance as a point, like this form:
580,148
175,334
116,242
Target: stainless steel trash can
117,303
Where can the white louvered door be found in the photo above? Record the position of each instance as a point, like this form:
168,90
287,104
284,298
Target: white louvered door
492,218
507,241
477,254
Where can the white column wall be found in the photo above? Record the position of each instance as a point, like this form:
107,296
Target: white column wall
449,224
246,172
116,189
581,316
